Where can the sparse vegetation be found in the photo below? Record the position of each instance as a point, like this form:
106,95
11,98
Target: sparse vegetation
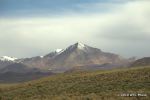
97,85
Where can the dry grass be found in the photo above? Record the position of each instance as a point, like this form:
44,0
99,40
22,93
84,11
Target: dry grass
97,85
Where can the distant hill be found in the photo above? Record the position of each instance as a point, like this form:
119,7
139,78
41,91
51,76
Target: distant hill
18,72
97,85
142,62
18,68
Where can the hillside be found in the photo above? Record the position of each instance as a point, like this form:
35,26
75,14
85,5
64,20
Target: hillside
142,62
97,85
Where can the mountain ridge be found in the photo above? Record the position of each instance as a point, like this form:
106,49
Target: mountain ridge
75,55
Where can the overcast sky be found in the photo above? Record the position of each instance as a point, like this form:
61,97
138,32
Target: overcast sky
36,27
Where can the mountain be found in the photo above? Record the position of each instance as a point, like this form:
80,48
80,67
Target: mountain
142,62
78,55
74,56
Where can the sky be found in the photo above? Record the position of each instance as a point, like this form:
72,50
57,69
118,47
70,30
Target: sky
36,27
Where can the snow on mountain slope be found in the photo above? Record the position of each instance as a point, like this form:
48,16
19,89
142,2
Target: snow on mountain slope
54,53
7,58
58,50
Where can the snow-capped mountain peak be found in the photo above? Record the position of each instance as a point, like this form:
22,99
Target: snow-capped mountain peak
77,45
7,58
80,45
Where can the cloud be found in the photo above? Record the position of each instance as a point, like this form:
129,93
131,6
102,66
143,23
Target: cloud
131,23
122,26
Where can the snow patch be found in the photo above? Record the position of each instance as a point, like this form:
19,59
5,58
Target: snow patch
7,58
58,50
41,56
